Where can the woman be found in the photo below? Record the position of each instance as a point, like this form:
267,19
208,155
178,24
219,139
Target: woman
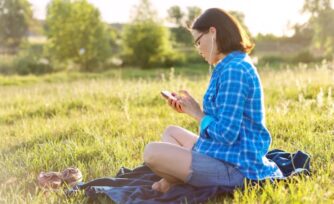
233,139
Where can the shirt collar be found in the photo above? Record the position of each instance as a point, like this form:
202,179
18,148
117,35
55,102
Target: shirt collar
227,58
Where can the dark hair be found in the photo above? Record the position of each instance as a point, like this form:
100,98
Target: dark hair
230,35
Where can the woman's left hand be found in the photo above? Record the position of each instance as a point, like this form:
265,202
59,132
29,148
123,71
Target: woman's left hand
189,105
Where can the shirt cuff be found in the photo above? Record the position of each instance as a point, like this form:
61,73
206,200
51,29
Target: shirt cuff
205,122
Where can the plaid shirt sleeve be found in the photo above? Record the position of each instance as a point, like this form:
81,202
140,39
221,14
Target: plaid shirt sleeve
233,87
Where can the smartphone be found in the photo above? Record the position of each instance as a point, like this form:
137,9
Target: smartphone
168,95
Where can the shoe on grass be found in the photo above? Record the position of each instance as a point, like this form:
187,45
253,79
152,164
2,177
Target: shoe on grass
71,176
50,180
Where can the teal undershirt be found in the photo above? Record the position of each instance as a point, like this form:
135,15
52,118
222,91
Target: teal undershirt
205,122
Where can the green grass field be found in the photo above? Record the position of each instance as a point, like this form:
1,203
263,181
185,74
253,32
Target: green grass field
100,122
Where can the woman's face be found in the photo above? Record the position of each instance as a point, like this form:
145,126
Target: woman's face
205,42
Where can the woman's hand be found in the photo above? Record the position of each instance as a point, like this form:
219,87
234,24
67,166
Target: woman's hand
175,104
189,105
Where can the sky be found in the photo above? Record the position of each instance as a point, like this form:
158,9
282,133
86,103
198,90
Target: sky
261,16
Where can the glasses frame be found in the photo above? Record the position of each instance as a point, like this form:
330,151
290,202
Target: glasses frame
196,42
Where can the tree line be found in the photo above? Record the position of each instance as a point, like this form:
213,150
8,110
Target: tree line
78,38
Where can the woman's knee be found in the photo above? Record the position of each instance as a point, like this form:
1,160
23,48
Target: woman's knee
169,131
151,153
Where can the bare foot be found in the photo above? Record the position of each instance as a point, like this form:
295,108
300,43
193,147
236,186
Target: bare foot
163,185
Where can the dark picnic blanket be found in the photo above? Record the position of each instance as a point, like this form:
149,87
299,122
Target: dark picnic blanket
134,185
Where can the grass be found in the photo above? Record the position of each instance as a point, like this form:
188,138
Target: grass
100,122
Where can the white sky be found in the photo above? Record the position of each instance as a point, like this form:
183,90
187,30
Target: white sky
261,16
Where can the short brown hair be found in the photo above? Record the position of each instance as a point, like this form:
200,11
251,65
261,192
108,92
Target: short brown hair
230,35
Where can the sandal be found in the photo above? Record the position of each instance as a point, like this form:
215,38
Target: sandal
71,176
50,180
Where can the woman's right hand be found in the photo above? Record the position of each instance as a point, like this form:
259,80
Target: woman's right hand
175,104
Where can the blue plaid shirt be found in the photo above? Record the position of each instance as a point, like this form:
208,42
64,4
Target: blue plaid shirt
233,129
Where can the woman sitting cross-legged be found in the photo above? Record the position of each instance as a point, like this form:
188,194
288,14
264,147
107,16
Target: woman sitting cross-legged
233,139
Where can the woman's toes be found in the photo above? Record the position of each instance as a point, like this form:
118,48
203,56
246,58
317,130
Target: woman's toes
164,185
156,186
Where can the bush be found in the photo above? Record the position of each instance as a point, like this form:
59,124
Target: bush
145,41
30,60
149,47
301,57
271,59
181,35
6,64
304,57
77,35
193,57
171,59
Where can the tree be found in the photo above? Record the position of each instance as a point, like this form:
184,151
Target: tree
145,40
178,17
193,12
316,6
15,16
76,34
321,22
182,20
240,17
144,12
175,15
303,34
323,26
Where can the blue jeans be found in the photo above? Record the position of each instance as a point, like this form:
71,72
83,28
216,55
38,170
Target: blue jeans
208,171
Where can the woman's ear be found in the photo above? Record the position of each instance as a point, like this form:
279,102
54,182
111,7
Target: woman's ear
212,30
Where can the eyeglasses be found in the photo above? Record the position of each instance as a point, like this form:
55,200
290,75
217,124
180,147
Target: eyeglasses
197,41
